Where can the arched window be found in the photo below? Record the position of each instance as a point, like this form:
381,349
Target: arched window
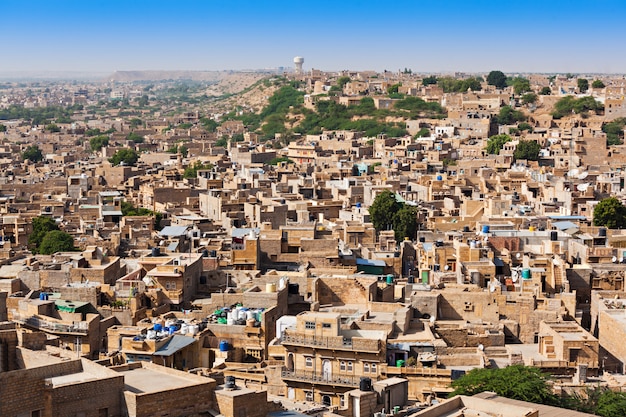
308,361
342,366
326,400
366,368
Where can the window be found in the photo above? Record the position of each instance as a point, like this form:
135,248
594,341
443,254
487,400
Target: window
342,401
373,368
309,396
342,366
308,362
350,366
325,325
309,325
366,368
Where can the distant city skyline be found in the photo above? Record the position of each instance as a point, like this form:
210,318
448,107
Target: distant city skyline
436,36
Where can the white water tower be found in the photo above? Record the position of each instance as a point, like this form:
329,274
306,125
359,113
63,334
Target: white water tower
298,61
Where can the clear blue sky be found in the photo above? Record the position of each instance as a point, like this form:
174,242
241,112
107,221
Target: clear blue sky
426,36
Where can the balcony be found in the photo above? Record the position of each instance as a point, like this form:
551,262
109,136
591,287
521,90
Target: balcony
319,379
50,326
331,342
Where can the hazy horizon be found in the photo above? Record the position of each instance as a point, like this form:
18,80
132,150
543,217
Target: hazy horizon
437,37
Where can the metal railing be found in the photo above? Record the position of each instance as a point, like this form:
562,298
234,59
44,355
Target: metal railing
79,327
315,378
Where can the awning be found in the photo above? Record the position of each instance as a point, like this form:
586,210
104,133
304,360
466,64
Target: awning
176,343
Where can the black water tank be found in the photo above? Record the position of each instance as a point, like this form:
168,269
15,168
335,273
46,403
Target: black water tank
230,382
365,384
293,289
205,253
466,229
411,279
213,253
156,252
422,239
602,232
554,236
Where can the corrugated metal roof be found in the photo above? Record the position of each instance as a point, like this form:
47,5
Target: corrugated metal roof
370,262
176,343
174,231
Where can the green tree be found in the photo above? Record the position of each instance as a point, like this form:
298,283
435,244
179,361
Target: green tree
597,84
143,101
342,81
508,116
127,156
527,149
134,137
518,382
135,123
98,142
611,404
423,132
223,142
525,126
56,241
545,91
610,213
496,143
278,160
583,85
405,222
393,88
520,85
53,128
570,104
3,128
209,125
497,79
32,153
429,80
614,131
383,210
192,170
529,98
41,226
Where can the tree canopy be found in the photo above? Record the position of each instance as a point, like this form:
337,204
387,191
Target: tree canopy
610,213
127,156
583,85
496,143
527,149
614,131
97,142
545,91
520,85
387,213
570,104
518,382
191,171
41,226
497,79
56,241
32,153
597,84
508,116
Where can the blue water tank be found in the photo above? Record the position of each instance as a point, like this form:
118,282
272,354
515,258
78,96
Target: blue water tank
485,229
526,273
358,205
223,346
439,178
171,330
390,279
158,327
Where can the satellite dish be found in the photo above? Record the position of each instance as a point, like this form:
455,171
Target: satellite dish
514,276
492,288
518,255
481,347
447,267
432,319
621,260
583,175
614,259
582,187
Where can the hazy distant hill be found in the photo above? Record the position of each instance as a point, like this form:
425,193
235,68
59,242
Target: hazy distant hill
125,76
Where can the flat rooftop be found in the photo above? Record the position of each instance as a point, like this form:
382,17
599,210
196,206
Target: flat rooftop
70,379
145,380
